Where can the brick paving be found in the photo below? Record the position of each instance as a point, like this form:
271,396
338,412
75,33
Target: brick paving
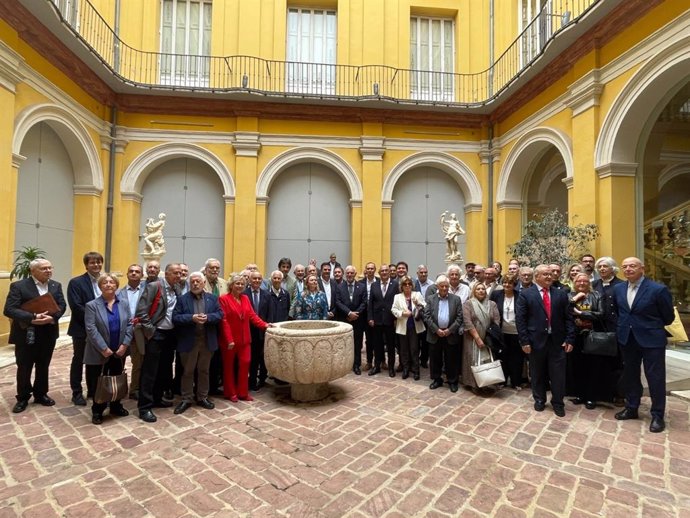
377,447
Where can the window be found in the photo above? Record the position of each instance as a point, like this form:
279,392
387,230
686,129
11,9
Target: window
535,27
69,10
311,51
185,42
432,55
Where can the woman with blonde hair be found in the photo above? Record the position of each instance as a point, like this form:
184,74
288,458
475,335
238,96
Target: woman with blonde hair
407,309
478,313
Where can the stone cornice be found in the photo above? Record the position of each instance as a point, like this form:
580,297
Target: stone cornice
131,196
473,207
246,143
508,204
372,148
10,68
617,169
262,200
585,92
17,160
86,190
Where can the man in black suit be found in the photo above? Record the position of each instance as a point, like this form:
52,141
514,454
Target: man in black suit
381,295
546,331
351,302
258,296
443,320
644,308
328,285
80,290
367,282
33,335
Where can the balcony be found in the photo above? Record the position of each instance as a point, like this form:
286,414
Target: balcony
552,30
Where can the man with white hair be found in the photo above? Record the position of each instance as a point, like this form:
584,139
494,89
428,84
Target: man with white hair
214,284
456,286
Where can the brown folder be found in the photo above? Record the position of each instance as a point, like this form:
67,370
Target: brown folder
41,304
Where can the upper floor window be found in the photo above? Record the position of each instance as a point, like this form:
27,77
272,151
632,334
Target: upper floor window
185,42
432,58
536,27
311,51
69,10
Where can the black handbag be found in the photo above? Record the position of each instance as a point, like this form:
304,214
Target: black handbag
111,387
494,338
600,343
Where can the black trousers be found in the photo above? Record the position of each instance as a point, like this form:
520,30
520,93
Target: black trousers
423,347
76,368
512,359
653,360
370,341
358,335
37,355
547,364
112,366
156,369
443,353
384,342
257,368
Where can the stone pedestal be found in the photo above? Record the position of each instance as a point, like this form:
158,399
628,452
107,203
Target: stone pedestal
308,354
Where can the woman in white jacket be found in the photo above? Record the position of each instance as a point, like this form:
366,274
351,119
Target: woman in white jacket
407,308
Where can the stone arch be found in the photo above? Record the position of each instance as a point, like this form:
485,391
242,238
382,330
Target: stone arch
628,121
456,168
672,171
309,154
86,164
137,171
522,157
549,177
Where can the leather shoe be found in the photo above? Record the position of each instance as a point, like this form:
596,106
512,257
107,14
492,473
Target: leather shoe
97,419
391,372
162,404
147,416
627,413
416,376
205,403
44,400
405,374
590,405
168,394
657,425
559,411
539,406
453,387
577,401
374,370
356,370
20,406
134,395
119,411
435,384
181,407
78,399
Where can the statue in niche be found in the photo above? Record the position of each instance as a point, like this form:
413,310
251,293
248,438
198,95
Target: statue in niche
450,226
154,242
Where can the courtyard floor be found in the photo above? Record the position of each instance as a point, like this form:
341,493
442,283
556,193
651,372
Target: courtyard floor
377,447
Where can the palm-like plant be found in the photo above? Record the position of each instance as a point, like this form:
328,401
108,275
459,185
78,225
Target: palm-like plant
22,262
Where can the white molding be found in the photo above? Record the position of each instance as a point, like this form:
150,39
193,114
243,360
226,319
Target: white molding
17,160
585,92
229,200
137,171
672,171
86,190
308,154
568,182
673,157
456,168
246,143
262,200
548,178
443,146
11,64
502,205
519,163
277,139
355,204
132,196
372,148
387,204
473,207
617,169
85,157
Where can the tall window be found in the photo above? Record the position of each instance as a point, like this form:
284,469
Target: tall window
311,51
185,42
432,54
69,10
535,27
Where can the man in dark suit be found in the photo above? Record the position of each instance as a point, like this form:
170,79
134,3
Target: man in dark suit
156,339
279,299
33,335
380,318
644,308
351,302
80,290
258,296
196,317
421,284
328,285
443,320
546,331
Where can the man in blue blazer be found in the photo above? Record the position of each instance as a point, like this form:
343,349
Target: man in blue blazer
80,290
644,308
196,317
546,331
33,335
351,302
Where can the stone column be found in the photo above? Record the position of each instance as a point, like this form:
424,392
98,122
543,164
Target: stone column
249,239
375,218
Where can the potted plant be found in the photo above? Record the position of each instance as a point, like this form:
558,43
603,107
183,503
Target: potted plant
21,268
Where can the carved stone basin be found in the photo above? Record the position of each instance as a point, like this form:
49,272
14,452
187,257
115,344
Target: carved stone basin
308,354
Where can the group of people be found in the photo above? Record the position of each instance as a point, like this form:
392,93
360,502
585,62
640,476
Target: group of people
197,335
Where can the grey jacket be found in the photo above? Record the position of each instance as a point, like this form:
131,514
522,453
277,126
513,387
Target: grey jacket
98,331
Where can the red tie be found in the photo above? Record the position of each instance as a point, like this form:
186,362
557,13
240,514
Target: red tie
547,303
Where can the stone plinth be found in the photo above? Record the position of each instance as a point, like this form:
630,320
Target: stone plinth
308,354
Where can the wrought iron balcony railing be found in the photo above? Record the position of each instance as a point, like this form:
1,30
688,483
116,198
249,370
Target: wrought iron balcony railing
159,70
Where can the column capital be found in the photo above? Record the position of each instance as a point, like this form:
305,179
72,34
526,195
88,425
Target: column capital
585,92
372,148
246,143
17,160
617,169
10,68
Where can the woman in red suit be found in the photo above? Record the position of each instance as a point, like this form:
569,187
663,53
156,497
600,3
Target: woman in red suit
236,339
